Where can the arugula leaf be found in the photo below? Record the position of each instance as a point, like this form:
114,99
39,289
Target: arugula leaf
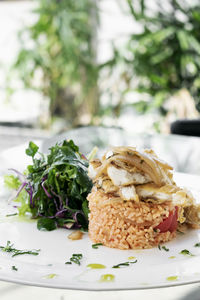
46,224
85,208
32,149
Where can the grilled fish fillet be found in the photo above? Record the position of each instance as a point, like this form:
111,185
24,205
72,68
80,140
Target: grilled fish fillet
151,191
127,174
123,177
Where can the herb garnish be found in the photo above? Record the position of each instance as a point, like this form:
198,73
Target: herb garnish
125,264
14,268
96,246
163,247
11,215
55,187
186,252
197,245
9,248
75,259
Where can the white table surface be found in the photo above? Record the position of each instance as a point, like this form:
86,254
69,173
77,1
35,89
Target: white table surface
10,291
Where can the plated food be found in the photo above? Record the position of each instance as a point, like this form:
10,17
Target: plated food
58,187
134,202
53,189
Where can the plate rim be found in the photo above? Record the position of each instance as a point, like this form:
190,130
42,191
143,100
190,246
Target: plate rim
80,286
71,287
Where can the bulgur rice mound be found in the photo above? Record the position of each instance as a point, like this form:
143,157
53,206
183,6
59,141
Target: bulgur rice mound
135,202
126,224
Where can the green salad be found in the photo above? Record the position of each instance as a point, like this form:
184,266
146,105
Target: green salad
54,188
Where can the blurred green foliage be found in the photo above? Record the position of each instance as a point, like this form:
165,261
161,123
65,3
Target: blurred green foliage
58,56
165,56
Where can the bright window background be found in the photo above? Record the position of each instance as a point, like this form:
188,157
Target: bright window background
26,106
13,16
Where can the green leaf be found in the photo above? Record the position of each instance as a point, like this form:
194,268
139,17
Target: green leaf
11,182
85,208
195,44
183,39
46,224
32,149
57,187
186,252
83,221
163,55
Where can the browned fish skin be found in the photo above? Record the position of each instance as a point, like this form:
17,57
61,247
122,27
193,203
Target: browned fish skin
192,214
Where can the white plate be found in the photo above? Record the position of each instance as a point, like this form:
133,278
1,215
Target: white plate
152,269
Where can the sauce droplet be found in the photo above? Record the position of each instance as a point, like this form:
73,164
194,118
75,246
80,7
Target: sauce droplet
131,257
107,278
50,276
96,266
172,278
171,257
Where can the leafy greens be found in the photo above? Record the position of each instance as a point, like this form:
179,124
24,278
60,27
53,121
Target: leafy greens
55,187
